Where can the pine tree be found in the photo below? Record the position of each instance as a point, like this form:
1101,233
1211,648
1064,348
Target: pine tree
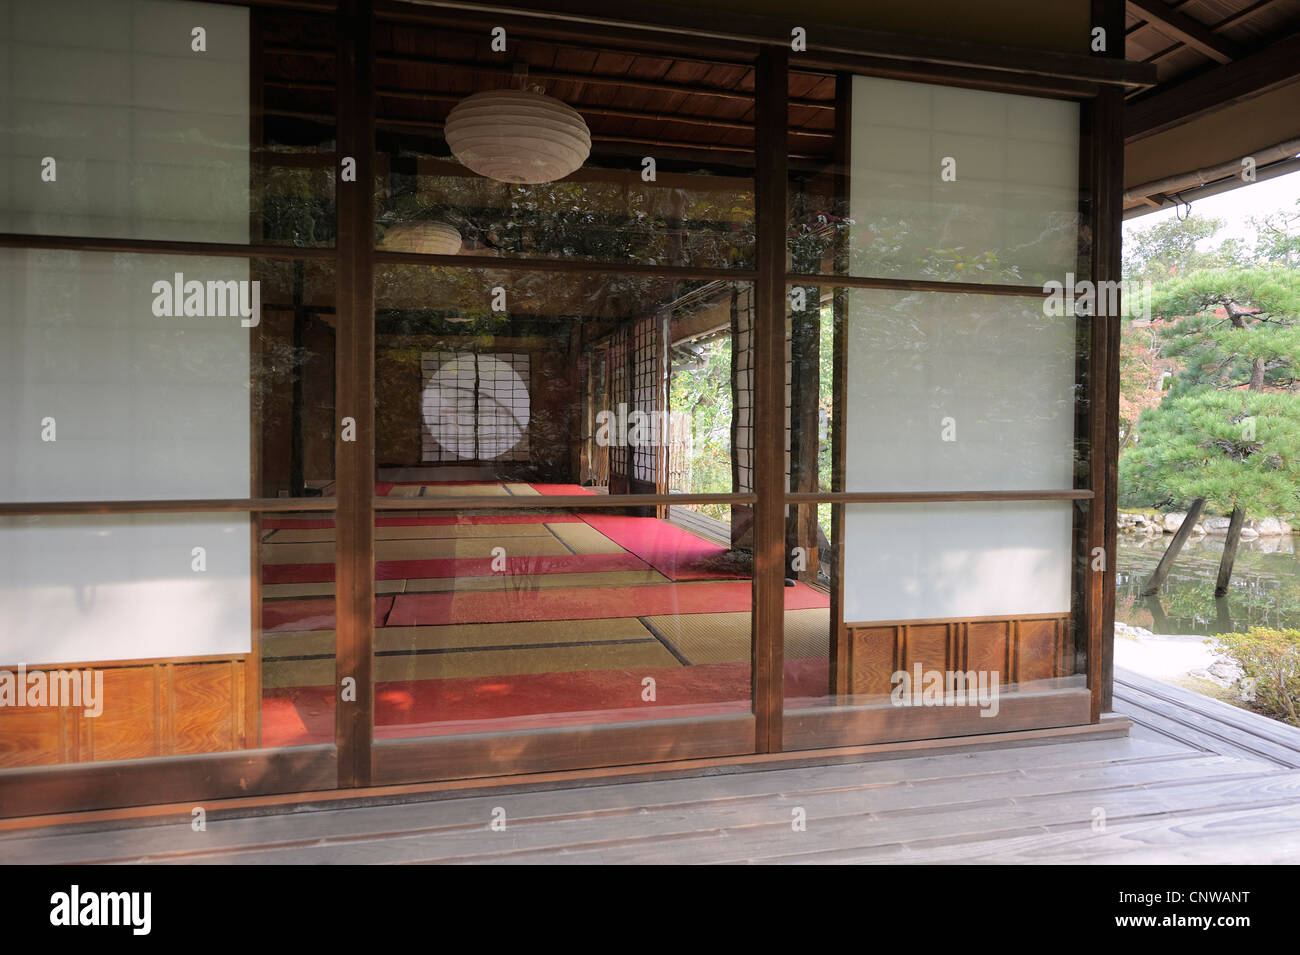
1228,434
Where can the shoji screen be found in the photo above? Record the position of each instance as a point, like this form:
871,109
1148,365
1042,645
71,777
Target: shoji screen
104,398
951,391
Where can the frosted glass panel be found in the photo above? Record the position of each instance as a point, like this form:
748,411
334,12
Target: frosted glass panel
949,392
150,139
957,392
962,185
84,589
103,399
943,561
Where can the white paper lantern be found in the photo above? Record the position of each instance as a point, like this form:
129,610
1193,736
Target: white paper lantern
517,136
436,238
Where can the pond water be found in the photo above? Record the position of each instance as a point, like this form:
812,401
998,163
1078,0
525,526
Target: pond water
1265,589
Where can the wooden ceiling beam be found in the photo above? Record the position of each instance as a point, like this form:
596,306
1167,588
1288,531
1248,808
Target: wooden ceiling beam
1179,103
1179,26
593,79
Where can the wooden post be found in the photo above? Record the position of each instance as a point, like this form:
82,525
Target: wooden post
768,458
841,666
1230,551
1107,167
355,363
1171,552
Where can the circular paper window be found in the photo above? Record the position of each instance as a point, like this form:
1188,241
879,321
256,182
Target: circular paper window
475,407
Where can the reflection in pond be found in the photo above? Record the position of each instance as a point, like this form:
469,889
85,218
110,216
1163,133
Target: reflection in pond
1265,587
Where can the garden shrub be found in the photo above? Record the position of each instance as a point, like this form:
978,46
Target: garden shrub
1270,663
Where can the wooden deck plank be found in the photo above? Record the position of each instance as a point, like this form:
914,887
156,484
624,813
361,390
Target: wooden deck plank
941,807
1200,731
1269,835
1193,784
72,846
1204,708
880,837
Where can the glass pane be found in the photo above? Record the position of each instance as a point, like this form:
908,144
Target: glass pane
148,377
941,391
967,392
941,183
984,593
298,641
295,158
622,384
133,636
506,619
495,618
931,391
111,125
657,152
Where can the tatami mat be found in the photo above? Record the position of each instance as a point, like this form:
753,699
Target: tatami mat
325,589
726,637
464,641
405,490
584,539
414,532
505,582
464,490
523,490
642,655
323,553
528,647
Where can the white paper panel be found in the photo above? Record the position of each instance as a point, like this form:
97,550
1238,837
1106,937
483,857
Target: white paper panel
1011,214
144,407
151,138
84,589
1001,371
938,561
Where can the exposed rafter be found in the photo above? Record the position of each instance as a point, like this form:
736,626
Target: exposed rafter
1240,80
1179,26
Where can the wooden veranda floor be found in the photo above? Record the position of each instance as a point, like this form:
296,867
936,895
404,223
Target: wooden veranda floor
1196,781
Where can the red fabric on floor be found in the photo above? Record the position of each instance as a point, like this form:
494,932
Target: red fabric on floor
560,490
587,603
446,483
675,553
460,567
296,716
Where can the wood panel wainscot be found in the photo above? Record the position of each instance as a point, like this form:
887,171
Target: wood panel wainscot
1021,649
149,708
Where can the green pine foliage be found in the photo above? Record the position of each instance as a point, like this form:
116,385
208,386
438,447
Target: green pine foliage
1233,448
1233,327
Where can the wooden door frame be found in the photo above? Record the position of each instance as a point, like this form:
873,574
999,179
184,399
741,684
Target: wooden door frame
355,759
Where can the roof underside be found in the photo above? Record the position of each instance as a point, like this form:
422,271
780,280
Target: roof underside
1228,87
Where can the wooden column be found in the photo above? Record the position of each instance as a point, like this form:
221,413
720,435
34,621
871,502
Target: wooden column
771,97
1107,217
1107,176
354,467
840,675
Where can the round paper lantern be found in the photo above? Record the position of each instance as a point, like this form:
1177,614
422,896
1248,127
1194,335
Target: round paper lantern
517,136
437,238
